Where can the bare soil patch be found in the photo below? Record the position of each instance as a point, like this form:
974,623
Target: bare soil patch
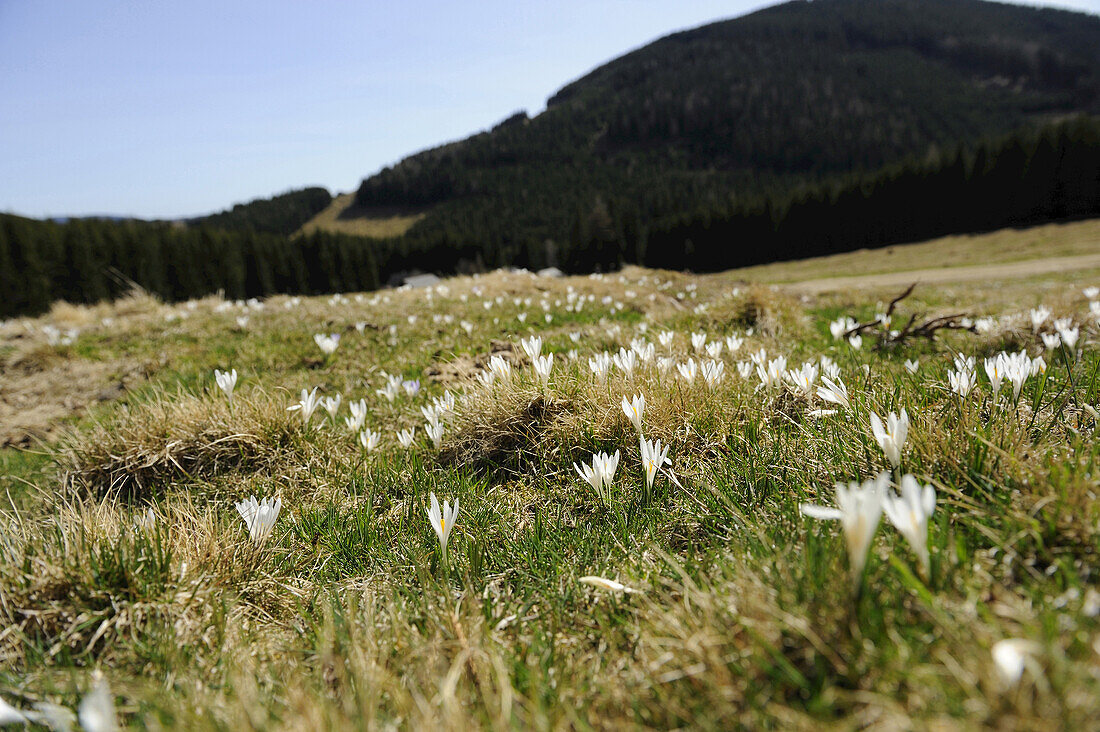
41,389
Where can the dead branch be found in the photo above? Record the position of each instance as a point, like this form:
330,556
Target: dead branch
912,329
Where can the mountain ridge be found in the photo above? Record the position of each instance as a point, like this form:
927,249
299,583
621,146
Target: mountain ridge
792,93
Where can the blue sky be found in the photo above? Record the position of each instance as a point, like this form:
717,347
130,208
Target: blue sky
167,109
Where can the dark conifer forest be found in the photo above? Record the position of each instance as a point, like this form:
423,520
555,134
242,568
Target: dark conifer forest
803,129
282,214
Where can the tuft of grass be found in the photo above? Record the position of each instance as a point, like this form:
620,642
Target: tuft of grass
167,438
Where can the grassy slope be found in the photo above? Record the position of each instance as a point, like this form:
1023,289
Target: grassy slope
346,617
1007,245
337,219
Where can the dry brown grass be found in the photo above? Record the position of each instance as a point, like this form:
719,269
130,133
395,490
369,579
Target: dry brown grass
85,581
1007,245
44,387
174,437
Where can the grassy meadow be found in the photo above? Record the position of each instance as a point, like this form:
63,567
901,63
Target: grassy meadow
724,606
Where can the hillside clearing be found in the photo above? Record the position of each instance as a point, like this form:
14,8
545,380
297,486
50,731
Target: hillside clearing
340,217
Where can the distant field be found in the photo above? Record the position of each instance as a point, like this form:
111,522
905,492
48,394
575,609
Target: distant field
338,219
1007,245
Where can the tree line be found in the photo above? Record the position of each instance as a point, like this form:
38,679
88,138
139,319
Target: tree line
1031,176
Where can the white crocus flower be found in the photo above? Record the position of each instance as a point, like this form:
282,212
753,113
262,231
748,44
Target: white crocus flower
434,430
962,382
698,341
259,516
733,343
665,338
601,474
1069,336
773,374
634,409
830,368
327,343
1051,340
713,373
369,439
834,392
994,369
146,520
392,388
1011,656
803,378
855,341
532,346
891,437
431,412
626,361
543,366
445,404
714,349
688,370
307,405
226,381
358,415
840,326
600,364
964,363
331,405
97,708
606,584
405,437
653,457
744,369
1017,368
500,368
10,715
859,509
1039,316
909,513
912,366
443,522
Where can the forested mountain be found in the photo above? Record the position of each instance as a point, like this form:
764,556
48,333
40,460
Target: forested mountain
282,214
765,103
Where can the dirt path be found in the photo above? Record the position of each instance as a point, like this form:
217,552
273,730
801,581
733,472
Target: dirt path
986,272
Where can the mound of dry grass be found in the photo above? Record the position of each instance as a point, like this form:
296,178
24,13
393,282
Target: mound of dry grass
176,437
504,435
767,310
